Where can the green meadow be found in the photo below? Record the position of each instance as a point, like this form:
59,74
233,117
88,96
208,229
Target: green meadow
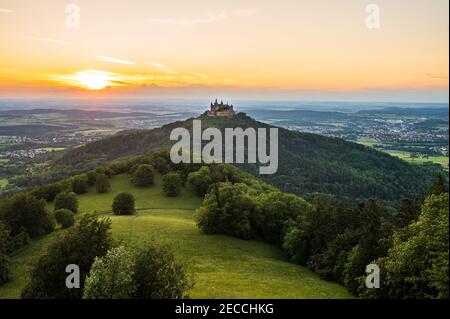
222,266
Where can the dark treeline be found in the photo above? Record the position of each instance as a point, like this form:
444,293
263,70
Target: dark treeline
409,243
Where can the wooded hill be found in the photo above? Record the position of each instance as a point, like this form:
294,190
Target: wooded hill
308,163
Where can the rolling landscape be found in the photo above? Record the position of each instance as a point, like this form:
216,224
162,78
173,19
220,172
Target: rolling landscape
224,158
170,221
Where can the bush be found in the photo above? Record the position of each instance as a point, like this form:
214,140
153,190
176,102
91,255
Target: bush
123,204
200,180
228,209
172,184
158,276
275,211
102,184
80,184
64,217
89,238
111,276
24,213
91,177
143,175
417,264
47,192
67,201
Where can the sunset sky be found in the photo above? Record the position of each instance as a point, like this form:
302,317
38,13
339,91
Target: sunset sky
288,49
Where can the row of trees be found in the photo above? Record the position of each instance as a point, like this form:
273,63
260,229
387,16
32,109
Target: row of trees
338,241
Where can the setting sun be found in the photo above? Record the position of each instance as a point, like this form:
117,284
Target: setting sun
93,80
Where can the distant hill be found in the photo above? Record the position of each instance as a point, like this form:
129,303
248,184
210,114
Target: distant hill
438,111
308,163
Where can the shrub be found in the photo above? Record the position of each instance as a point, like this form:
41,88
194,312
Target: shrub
143,175
64,217
228,209
275,211
91,177
80,184
67,201
123,204
111,276
102,184
200,180
89,238
47,192
158,276
24,213
172,184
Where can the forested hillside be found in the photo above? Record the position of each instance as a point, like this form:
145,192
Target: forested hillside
308,163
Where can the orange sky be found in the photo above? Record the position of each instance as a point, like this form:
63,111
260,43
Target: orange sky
140,47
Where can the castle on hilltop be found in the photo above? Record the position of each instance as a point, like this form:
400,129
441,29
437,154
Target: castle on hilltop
220,109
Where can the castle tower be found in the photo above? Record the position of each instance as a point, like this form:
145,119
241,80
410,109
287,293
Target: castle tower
220,110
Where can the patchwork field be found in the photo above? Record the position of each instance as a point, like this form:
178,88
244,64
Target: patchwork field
223,267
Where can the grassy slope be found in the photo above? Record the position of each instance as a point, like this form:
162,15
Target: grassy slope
224,267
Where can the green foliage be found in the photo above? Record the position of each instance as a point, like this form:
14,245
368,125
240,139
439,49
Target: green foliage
4,259
47,192
328,165
417,264
408,212
80,184
91,176
24,213
311,232
143,175
172,184
89,238
200,180
274,212
158,276
102,184
439,186
228,209
67,201
64,217
111,276
123,204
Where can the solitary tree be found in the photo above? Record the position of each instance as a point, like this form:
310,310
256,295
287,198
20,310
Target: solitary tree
172,184
80,184
64,217
66,200
102,184
143,175
111,276
158,276
123,204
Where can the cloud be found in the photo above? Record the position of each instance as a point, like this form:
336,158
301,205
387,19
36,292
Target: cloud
3,10
113,60
211,18
202,75
158,65
162,67
49,40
